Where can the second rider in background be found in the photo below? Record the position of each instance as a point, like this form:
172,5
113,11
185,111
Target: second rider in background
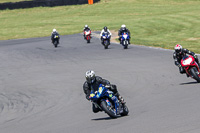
105,29
86,28
122,30
53,34
179,54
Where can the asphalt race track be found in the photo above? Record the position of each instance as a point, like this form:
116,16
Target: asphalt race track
41,88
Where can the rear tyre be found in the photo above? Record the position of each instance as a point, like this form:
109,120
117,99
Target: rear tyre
194,73
110,111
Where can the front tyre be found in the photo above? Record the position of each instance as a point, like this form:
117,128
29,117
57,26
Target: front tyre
106,44
108,109
125,110
88,39
125,44
55,43
194,73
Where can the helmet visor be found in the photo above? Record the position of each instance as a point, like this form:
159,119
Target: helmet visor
90,80
178,50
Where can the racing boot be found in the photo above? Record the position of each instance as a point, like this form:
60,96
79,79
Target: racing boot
187,75
102,41
121,99
109,42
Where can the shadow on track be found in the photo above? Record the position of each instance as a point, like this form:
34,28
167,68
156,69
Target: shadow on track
189,83
105,118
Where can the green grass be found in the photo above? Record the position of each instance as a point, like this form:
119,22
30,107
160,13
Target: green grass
4,1
158,23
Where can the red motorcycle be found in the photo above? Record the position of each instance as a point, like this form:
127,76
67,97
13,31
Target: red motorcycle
87,34
191,67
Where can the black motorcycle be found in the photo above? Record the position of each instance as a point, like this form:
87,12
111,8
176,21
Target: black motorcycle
106,39
56,40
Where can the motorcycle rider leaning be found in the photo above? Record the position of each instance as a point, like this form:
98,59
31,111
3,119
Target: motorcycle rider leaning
86,28
122,30
53,34
179,54
104,30
92,83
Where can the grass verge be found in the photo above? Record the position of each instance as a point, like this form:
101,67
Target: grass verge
5,1
157,23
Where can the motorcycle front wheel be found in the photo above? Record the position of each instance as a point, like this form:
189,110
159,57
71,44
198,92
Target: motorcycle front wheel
88,39
106,44
125,44
55,43
125,111
108,109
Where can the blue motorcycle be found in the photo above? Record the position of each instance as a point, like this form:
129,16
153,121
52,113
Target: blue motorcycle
125,40
106,39
105,100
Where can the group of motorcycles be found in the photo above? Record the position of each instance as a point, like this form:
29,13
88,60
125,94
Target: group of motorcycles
105,36
107,102
106,39
104,99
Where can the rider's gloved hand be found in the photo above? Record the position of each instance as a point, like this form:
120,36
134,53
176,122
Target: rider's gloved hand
179,65
108,85
195,56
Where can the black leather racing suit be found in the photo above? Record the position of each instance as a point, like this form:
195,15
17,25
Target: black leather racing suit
178,56
95,85
122,30
52,36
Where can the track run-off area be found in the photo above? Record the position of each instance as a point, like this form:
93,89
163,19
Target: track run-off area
41,88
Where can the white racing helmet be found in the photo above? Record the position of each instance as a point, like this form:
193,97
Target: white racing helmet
90,76
54,30
178,48
123,26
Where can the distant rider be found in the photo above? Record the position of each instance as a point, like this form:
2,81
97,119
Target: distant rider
179,54
86,28
92,83
122,30
104,30
53,34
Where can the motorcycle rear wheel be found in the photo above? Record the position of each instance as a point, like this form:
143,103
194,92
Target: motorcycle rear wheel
193,72
108,110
